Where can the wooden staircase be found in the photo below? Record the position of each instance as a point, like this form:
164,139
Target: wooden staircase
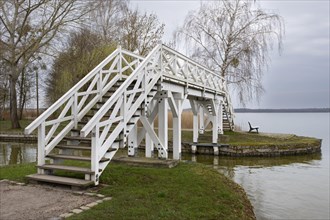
82,131
70,160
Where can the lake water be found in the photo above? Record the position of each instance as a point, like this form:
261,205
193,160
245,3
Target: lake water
17,153
291,187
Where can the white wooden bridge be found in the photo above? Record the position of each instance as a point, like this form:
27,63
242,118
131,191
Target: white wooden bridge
99,114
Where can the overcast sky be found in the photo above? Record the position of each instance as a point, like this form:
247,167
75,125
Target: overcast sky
299,78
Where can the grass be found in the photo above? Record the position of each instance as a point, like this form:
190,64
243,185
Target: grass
5,126
188,191
231,138
17,172
251,139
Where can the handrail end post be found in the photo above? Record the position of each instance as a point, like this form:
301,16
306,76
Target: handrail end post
26,131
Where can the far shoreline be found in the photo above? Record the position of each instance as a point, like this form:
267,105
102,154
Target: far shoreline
284,110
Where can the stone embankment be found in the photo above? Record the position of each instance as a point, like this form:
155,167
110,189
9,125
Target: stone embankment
254,151
228,149
21,138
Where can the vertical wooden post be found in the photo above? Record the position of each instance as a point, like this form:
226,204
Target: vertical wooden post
214,129
119,62
163,122
195,133
201,119
177,131
94,155
132,142
149,149
41,146
194,108
75,110
220,118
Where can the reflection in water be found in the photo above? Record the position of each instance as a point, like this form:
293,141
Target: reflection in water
277,186
228,165
17,153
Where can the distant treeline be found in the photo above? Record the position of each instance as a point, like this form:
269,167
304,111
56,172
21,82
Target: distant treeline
293,110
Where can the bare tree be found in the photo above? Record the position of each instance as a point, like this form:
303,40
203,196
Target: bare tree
105,18
234,39
26,27
140,32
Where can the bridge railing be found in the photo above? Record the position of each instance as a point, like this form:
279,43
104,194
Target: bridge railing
182,68
64,115
117,111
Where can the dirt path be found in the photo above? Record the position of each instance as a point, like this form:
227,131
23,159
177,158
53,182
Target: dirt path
37,202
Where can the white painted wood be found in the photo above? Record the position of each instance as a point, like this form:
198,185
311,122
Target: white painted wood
41,147
87,128
220,119
162,151
214,129
109,141
59,120
149,148
172,104
201,120
195,128
94,155
69,94
163,122
132,142
177,131
49,147
178,77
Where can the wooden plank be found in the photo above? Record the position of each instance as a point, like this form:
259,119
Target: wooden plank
70,157
66,168
73,147
60,180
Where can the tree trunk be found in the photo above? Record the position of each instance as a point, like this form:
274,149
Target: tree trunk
13,103
21,95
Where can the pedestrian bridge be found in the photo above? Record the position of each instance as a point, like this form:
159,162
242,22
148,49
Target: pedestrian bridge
99,114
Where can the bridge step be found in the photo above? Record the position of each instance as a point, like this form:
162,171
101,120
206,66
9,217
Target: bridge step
67,168
77,139
73,147
60,180
70,157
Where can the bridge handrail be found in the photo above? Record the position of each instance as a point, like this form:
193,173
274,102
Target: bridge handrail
98,116
54,107
221,80
184,57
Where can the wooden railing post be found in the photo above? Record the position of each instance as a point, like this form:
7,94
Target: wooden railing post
75,110
41,146
94,155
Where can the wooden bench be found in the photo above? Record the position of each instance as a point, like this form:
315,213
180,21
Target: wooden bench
253,128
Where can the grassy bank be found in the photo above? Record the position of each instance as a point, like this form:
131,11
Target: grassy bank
5,126
253,139
188,191
229,137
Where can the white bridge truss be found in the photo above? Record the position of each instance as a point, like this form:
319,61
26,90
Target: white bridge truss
100,113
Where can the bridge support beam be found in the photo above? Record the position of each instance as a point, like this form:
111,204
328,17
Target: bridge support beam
201,120
194,108
215,122
163,121
132,142
176,108
152,112
220,118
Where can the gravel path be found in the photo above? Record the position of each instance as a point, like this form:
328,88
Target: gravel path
37,202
